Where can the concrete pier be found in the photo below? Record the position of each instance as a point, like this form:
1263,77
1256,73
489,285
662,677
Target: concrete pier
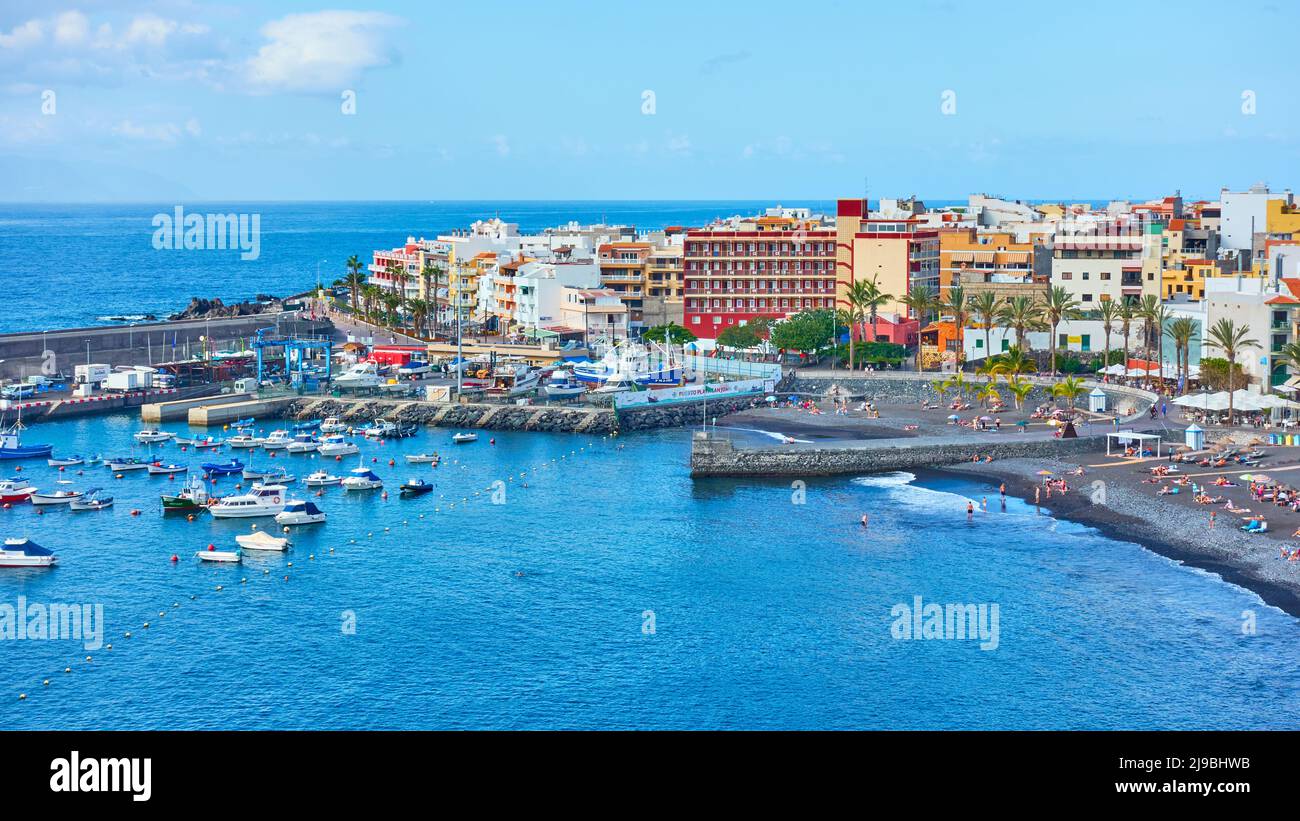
221,413
156,412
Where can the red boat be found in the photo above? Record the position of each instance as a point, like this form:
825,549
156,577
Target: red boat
13,491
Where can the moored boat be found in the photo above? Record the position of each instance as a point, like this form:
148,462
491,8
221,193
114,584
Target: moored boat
62,496
333,424
262,500
321,479
167,470
261,540
304,442
422,458
222,468
300,512
337,445
66,461
11,446
415,487
463,438
213,555
278,440
25,553
362,479
13,491
151,435
124,463
243,440
194,496
93,500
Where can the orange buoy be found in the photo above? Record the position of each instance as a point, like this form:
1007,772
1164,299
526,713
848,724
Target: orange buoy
135,512
62,468
212,547
175,558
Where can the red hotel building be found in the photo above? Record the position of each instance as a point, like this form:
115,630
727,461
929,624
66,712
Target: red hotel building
759,267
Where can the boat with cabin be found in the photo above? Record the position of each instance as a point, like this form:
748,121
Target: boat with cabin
261,500
26,553
300,512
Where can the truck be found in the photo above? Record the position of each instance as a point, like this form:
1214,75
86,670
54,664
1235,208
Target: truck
92,374
124,381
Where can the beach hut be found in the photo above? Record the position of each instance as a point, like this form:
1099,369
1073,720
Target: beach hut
1097,401
1194,437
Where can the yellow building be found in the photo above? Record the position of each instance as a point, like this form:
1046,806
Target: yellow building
1281,218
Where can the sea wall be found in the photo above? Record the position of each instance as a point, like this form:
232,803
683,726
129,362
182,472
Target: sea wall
714,455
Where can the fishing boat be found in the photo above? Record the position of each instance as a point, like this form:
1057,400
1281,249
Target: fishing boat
151,435
222,468
66,461
321,479
262,500
333,424
299,512
302,443
167,470
243,440
337,445
309,425
463,438
25,553
62,496
11,446
15,490
562,385
362,479
240,424
206,442
193,497
381,429
422,458
278,440
415,487
260,540
220,556
125,463
93,500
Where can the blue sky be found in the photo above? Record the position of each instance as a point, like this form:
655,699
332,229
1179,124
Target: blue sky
493,100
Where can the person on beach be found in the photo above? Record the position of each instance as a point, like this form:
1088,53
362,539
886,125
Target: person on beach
1213,515
1036,496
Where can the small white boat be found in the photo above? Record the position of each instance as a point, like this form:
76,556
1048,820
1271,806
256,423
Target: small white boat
167,470
462,438
321,479
302,443
150,435
243,440
262,500
93,500
206,442
278,440
362,479
337,445
333,424
218,555
382,428
62,496
25,553
299,512
422,458
66,462
261,540
563,385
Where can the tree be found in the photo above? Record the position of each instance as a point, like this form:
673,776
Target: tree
871,299
1126,317
354,280
957,304
1058,307
989,394
739,337
419,309
1022,314
670,334
987,308
400,277
430,274
391,301
1182,331
1070,388
1013,362
807,331
1109,314
1020,389
1151,312
923,303
1231,339
853,314
1289,355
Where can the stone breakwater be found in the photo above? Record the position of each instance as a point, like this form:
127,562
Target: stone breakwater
714,455
549,418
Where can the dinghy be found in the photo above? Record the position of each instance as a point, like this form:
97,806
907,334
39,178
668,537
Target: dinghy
218,555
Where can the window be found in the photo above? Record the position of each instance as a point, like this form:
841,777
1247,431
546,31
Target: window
979,343
1087,297
1067,275
1085,342
695,320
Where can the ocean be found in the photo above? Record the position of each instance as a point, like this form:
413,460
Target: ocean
71,264
556,580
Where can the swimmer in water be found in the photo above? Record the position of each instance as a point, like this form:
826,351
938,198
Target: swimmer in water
984,504
864,520
970,510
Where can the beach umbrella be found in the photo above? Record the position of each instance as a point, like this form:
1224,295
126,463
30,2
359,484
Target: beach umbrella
1259,477
771,399
954,417
986,418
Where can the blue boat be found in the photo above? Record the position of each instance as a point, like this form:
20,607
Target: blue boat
243,423
11,446
306,426
223,468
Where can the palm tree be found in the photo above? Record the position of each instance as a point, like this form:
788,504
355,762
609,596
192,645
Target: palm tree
1148,310
987,308
922,302
1227,337
1110,311
419,309
1022,314
957,304
1014,362
988,369
1126,317
1182,330
1288,355
941,387
354,280
392,301
1070,388
1020,389
400,277
1159,319
869,299
430,277
854,314
958,383
989,394
1059,306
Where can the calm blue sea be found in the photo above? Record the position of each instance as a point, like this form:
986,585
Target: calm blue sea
538,612
70,264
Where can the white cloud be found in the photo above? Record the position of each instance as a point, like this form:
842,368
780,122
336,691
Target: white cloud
320,51
71,28
501,144
150,29
154,132
23,36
